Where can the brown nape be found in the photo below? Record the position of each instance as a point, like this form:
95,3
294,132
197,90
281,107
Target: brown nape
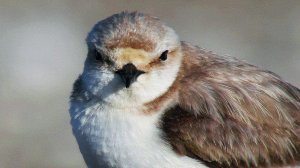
137,32
232,114
131,40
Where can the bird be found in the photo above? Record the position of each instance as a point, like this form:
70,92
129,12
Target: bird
147,99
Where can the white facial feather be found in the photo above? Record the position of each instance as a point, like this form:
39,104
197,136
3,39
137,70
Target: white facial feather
109,87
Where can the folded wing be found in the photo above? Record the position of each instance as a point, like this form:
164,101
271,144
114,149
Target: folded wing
230,113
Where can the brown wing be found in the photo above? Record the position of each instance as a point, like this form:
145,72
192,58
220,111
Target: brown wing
231,113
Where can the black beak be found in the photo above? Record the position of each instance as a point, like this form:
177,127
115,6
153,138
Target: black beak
129,74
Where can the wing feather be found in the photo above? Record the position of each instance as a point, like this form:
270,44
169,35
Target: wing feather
233,113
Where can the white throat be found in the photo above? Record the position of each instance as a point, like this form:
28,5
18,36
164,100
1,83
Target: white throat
122,138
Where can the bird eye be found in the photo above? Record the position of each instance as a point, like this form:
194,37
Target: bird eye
98,56
164,55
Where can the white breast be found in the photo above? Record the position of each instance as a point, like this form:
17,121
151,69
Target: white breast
122,138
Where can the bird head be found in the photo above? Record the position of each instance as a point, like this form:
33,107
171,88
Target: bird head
131,57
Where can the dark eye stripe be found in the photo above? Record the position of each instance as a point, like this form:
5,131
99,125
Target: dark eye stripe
98,56
164,55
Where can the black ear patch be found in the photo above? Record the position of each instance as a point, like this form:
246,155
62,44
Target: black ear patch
164,56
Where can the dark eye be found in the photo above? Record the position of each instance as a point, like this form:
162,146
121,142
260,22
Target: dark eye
164,55
98,56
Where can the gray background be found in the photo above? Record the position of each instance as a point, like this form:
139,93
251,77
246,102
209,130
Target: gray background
42,51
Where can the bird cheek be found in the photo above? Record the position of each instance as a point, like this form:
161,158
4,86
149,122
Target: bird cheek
142,78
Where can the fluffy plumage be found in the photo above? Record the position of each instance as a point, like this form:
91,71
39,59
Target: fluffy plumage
233,113
190,109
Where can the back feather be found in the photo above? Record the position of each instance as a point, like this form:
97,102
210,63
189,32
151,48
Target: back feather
231,113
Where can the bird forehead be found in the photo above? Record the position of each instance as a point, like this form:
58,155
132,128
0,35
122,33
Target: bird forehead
132,55
128,39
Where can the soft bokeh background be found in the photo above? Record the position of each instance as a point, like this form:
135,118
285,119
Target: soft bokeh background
42,51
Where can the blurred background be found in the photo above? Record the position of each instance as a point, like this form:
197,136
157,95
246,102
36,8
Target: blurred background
42,51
